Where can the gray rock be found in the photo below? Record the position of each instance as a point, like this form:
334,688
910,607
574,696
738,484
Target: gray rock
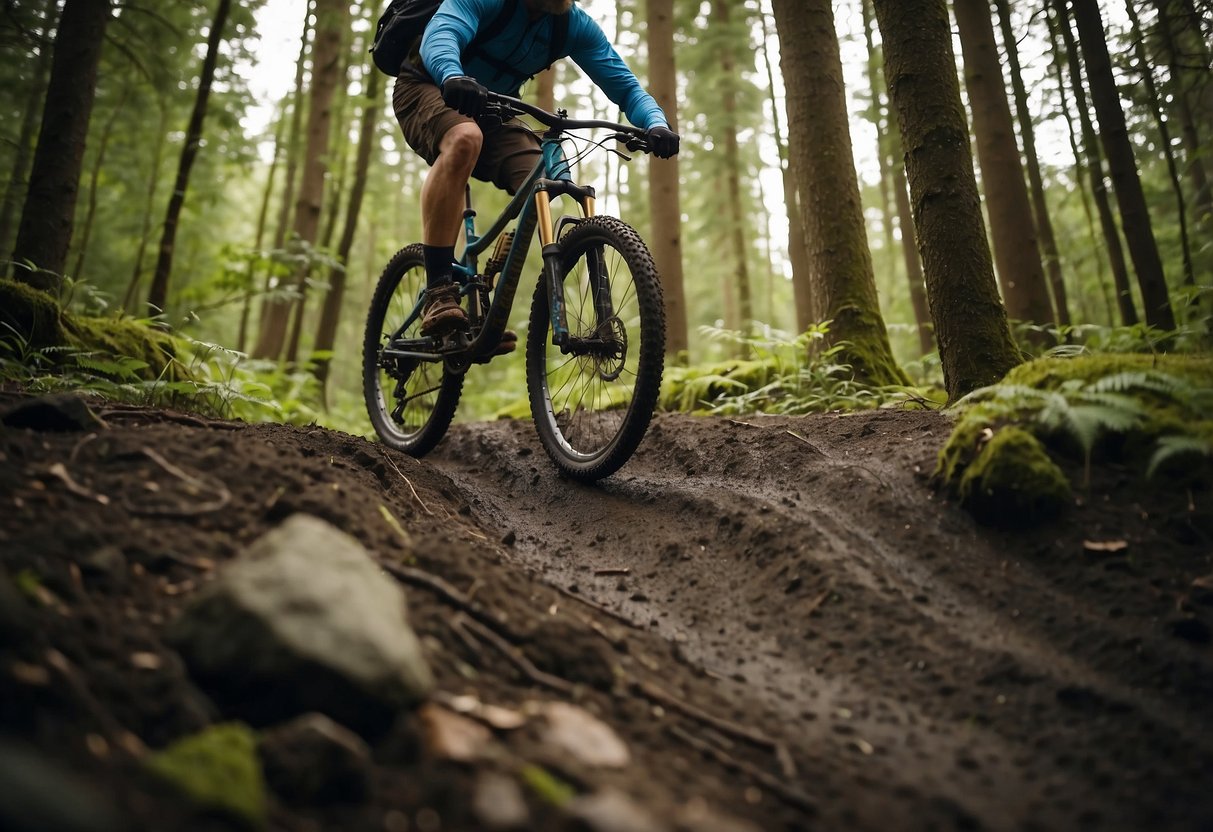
498,804
304,621
36,795
609,811
314,760
56,412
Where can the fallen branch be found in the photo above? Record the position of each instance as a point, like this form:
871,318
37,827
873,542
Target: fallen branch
786,793
732,729
534,674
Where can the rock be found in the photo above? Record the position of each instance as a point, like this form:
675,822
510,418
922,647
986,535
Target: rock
609,811
218,770
448,736
314,760
497,803
37,795
577,733
304,621
61,412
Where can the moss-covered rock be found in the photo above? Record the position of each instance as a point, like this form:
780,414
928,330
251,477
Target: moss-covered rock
124,338
218,769
29,316
1013,482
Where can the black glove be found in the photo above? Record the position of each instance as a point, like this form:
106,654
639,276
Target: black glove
464,94
663,142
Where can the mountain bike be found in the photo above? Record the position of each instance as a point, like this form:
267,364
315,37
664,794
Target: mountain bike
595,342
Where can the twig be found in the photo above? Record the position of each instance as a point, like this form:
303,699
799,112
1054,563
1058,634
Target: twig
786,793
418,577
820,599
76,450
615,570
732,729
116,733
520,661
796,435
59,472
407,482
222,495
739,422
459,629
599,607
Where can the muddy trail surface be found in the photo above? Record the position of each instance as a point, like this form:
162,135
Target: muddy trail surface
760,623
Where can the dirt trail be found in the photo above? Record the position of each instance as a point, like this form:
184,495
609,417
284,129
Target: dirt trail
926,672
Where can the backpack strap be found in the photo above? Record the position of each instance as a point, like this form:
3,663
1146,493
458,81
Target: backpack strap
560,37
483,35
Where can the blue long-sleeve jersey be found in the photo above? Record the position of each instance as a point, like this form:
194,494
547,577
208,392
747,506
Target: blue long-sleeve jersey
525,46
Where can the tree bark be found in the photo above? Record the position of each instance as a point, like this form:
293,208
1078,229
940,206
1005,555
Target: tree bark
1114,134
722,16
1164,135
665,199
331,23
330,314
157,296
14,192
45,231
1016,249
1040,206
975,344
840,260
1099,189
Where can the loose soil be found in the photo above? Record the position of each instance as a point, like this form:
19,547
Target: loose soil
781,617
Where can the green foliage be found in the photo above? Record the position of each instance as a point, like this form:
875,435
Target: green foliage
1145,410
790,375
547,787
1013,482
218,769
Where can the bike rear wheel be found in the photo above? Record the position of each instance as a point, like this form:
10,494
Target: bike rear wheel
592,404
411,402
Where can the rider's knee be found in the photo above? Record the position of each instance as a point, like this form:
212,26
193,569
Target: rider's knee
462,143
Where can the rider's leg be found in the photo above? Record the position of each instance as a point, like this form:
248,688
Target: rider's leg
442,202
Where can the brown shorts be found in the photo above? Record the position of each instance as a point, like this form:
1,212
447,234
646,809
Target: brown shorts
509,152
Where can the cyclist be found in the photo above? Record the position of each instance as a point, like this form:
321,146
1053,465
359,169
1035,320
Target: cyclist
442,88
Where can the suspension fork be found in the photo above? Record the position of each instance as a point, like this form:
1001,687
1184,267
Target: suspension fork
553,275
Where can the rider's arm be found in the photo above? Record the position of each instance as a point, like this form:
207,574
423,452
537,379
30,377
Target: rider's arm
589,48
452,28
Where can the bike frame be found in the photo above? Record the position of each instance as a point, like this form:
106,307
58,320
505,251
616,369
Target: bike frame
531,206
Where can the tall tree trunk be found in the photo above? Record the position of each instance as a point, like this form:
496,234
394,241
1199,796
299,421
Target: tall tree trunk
271,314
798,252
1122,166
833,216
665,199
14,192
262,217
722,16
45,231
326,333
877,113
86,229
1040,206
1164,135
1016,250
1192,92
975,344
157,296
1099,188
149,206
331,23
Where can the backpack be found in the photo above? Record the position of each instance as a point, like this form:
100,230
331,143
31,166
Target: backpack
403,23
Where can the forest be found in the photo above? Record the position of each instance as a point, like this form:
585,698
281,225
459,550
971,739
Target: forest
920,535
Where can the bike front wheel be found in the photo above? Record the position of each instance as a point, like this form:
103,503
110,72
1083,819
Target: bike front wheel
410,401
592,400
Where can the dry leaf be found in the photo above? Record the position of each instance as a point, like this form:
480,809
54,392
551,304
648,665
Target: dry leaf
146,661
34,675
1105,546
583,736
449,736
494,716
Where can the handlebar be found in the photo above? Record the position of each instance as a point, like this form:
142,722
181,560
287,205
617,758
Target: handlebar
506,107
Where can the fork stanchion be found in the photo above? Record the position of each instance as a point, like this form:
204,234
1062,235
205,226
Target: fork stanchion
543,209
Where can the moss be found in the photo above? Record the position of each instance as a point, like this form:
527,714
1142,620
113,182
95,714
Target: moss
686,389
865,346
218,769
123,338
1051,373
1013,481
31,314
547,786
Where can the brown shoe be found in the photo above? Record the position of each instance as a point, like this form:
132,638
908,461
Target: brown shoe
442,310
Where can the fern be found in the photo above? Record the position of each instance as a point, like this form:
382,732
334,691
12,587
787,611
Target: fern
1170,447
